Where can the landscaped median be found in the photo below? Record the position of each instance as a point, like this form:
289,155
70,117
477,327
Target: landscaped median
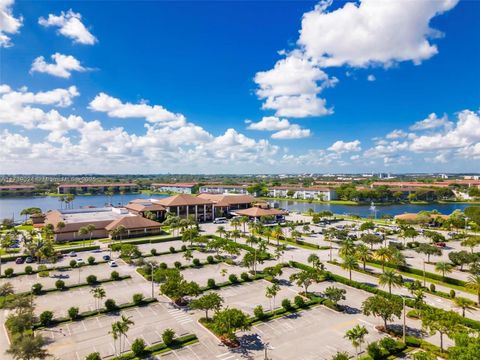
38,290
88,314
159,348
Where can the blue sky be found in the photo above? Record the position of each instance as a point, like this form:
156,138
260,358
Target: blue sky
239,87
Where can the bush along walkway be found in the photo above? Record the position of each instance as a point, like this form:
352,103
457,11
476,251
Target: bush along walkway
159,348
38,290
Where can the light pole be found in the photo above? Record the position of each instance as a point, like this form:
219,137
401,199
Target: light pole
404,319
424,280
152,266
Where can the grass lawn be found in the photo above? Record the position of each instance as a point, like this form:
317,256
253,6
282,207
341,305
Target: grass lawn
24,227
74,243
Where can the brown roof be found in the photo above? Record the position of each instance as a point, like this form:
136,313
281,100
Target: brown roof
228,199
182,200
133,222
140,207
176,184
258,212
6,187
95,185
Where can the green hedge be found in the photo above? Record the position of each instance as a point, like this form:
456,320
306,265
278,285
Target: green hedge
408,269
54,268
146,241
160,348
92,313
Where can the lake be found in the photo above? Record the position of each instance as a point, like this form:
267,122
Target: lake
13,206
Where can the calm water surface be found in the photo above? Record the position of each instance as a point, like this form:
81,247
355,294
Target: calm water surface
13,206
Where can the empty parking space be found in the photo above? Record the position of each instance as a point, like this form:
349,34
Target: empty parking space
218,272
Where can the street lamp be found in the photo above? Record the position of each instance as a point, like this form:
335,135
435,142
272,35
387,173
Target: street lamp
153,267
404,319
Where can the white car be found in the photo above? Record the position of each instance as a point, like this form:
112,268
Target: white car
220,220
80,261
112,263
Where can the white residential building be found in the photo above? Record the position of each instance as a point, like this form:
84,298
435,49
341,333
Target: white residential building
310,193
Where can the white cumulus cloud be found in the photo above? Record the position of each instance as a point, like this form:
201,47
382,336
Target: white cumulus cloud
341,146
431,122
9,24
62,65
71,26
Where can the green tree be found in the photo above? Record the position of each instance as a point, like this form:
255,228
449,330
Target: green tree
28,347
473,283
371,239
382,307
334,294
305,278
168,337
271,292
428,250
349,263
341,356
464,304
356,336
367,225
176,287
441,321
347,248
443,268
209,301
390,278
228,321
138,347
98,294
315,261
362,253
467,347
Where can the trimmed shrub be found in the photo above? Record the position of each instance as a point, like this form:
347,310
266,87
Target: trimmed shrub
9,272
28,270
46,318
177,264
167,337
286,304
184,248
196,262
43,270
432,288
163,266
172,249
244,276
452,294
37,288
73,312
91,279
154,253
211,283
91,260
258,312
210,259
389,344
138,347
73,263
374,351
94,356
232,278
299,301
114,275
111,305
138,299
60,284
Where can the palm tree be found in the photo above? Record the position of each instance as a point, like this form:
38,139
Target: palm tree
350,263
277,234
115,332
384,254
271,292
357,337
362,253
91,228
390,278
221,230
444,268
315,261
474,284
347,248
98,294
296,235
235,222
464,304
235,234
123,327
243,220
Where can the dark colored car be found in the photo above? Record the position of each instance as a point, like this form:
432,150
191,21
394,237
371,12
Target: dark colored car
19,260
106,257
440,244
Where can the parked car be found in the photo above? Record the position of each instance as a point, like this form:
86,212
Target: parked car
220,220
19,260
80,261
72,254
106,257
440,244
29,260
112,263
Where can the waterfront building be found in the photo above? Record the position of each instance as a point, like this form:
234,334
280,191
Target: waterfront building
96,188
305,193
180,188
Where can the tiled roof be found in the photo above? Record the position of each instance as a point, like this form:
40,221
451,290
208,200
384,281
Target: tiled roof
133,222
258,212
182,200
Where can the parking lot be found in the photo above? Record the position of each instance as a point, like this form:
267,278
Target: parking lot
78,339
218,272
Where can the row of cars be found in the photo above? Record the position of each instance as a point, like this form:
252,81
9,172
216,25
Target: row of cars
80,261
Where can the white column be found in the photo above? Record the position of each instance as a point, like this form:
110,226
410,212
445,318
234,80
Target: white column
205,212
196,212
187,210
178,210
